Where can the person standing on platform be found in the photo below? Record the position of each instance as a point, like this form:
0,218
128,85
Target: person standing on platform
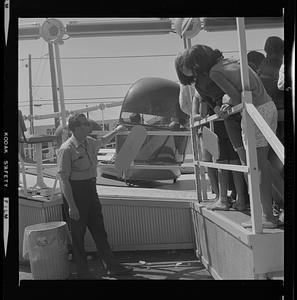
201,60
77,169
269,74
207,100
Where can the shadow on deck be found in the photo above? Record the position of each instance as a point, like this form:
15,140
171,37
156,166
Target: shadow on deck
147,265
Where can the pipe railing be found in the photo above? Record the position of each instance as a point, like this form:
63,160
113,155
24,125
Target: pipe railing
269,135
68,112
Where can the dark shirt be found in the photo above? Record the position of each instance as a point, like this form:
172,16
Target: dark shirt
269,73
226,74
210,93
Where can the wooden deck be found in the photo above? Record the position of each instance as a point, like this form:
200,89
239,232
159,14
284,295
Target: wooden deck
169,217
147,265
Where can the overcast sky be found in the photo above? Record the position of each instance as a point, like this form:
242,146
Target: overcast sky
98,71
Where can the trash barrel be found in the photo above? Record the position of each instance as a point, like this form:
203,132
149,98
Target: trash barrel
46,244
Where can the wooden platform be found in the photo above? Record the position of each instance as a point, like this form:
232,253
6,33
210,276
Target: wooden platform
169,217
230,251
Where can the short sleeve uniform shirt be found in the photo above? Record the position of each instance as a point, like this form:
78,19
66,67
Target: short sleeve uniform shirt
76,160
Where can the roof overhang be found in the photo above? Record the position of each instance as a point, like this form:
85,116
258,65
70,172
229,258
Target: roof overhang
226,24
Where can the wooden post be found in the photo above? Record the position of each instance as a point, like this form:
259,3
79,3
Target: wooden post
195,146
251,152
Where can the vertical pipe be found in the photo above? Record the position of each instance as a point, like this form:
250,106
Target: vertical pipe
54,82
30,96
195,146
88,116
61,90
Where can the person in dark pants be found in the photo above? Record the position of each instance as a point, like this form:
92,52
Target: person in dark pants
202,61
210,96
77,169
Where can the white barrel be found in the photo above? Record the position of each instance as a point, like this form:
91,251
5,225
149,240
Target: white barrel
46,246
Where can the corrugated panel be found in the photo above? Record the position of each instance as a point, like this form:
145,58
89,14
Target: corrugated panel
131,227
53,213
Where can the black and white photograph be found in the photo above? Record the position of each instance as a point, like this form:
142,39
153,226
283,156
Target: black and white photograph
127,164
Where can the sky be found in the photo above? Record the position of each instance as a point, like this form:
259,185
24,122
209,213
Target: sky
106,71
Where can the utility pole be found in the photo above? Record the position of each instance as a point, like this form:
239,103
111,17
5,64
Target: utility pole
87,112
102,107
30,96
54,82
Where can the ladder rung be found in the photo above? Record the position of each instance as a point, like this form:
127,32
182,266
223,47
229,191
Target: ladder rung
238,168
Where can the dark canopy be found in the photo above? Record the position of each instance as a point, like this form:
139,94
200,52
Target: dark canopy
154,96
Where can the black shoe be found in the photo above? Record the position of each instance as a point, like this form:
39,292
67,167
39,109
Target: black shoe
119,270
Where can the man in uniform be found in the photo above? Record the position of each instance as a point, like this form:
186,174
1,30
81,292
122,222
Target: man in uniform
77,168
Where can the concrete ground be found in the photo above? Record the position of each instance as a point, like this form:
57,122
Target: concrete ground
147,265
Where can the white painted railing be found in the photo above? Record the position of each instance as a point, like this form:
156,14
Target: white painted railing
70,112
269,135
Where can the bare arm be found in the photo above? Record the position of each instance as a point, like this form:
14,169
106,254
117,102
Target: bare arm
185,101
199,108
109,136
203,109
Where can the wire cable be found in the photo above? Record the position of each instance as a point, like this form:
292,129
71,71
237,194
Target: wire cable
127,56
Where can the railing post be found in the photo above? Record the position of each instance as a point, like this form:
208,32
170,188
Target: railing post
195,143
250,147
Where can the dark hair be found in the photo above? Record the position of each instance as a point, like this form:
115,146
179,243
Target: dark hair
73,121
254,59
179,63
199,59
274,45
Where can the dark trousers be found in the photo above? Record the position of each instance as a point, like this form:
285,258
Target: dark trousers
90,211
233,128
